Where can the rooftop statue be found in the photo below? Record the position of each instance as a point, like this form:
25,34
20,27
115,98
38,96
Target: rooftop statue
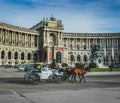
52,18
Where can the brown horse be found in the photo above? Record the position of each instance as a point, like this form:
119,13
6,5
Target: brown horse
80,73
73,73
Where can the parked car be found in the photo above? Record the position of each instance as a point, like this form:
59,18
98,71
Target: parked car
29,68
21,68
114,66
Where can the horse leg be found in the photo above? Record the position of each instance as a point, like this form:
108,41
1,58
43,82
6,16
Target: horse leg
79,78
72,78
84,79
68,78
75,78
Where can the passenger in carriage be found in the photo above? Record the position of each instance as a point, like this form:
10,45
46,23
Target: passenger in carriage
54,64
40,68
45,68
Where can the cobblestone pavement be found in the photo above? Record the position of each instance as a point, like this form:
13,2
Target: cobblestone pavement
97,89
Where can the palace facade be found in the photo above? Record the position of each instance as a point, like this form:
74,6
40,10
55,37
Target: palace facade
47,41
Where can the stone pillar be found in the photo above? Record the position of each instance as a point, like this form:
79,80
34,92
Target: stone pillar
117,44
107,43
48,61
80,44
12,37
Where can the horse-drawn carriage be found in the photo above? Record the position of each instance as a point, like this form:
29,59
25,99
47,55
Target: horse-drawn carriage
35,76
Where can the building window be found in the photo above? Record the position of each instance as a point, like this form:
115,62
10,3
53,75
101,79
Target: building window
2,55
22,56
85,58
9,55
78,58
29,56
72,58
16,55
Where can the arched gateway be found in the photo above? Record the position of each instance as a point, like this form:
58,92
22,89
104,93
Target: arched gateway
51,31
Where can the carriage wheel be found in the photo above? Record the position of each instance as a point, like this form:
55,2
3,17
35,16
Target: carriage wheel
27,76
58,79
34,78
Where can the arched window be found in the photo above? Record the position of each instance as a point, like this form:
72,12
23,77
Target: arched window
22,56
71,57
78,58
29,56
85,58
58,57
2,55
9,55
16,55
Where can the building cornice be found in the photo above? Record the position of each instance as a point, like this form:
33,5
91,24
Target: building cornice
16,28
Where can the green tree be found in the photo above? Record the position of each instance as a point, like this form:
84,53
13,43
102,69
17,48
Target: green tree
92,65
64,65
79,65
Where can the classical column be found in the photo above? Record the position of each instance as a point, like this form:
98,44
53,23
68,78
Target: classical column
80,44
117,44
87,41
16,38
44,39
26,40
47,39
12,37
67,42
59,38
30,40
100,44
5,36
48,50
19,40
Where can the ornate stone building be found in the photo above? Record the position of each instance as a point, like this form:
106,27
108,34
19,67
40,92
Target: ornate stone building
47,41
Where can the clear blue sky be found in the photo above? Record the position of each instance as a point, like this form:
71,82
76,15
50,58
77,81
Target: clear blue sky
78,16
